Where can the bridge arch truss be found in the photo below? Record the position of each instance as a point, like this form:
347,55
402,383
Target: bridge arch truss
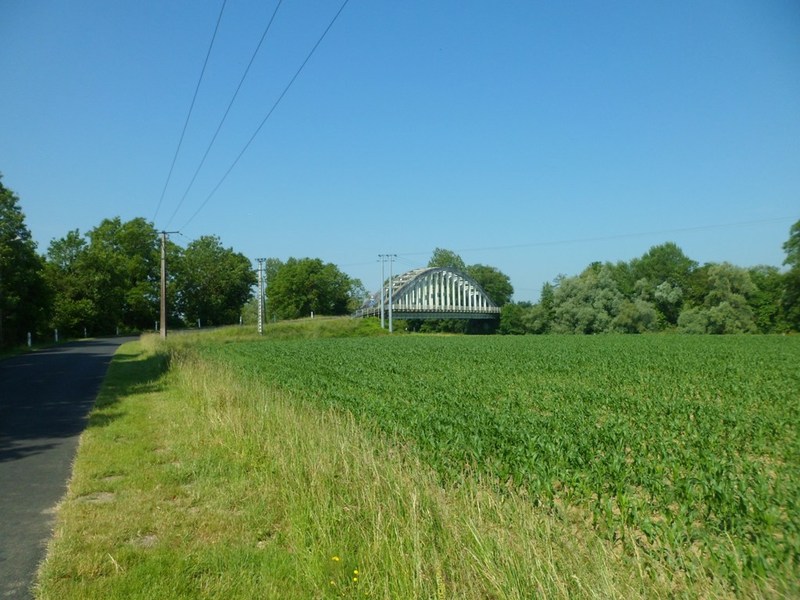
432,293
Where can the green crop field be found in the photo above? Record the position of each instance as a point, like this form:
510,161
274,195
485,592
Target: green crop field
328,459
681,449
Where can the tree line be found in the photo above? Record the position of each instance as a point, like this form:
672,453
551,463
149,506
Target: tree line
663,290
108,281
666,290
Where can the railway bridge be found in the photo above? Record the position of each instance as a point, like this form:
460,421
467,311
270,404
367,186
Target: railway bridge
431,293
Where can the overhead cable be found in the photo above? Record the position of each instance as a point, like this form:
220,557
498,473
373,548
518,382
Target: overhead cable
612,237
227,110
191,107
269,114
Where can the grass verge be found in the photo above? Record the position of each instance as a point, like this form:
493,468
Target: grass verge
199,483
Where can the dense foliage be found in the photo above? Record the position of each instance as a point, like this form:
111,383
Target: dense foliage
113,279
212,282
685,449
302,287
108,280
791,296
23,295
665,290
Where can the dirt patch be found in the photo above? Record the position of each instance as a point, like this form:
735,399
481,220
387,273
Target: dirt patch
145,541
98,498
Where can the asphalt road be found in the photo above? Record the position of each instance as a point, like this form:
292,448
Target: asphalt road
45,398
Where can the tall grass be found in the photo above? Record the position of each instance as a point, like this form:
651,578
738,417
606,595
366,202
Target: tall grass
204,484
308,328
321,486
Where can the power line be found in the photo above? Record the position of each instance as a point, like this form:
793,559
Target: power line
191,107
356,264
227,110
404,256
611,237
269,114
404,260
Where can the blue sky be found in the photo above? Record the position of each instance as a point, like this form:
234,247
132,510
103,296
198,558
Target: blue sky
534,137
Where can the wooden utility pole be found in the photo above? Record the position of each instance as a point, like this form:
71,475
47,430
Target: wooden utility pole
163,321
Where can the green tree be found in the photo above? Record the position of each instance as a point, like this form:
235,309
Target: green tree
725,308
587,303
443,258
697,287
622,273
668,299
511,319
541,320
494,282
271,268
250,311
791,299
123,273
767,299
68,278
302,286
664,262
791,296
637,316
661,275
792,246
358,295
213,283
24,297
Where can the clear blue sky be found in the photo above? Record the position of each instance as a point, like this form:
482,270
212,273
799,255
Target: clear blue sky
535,137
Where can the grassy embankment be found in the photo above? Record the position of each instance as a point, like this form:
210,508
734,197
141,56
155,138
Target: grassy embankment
206,482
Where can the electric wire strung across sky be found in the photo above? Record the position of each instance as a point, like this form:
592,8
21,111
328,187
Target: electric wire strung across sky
227,110
268,115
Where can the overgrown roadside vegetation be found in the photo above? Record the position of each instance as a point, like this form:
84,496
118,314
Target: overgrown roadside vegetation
210,481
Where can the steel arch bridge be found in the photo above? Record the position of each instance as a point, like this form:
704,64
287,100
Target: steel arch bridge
432,293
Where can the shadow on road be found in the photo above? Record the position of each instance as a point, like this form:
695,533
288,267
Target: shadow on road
46,396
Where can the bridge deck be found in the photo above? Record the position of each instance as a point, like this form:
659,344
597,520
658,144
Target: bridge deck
432,313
